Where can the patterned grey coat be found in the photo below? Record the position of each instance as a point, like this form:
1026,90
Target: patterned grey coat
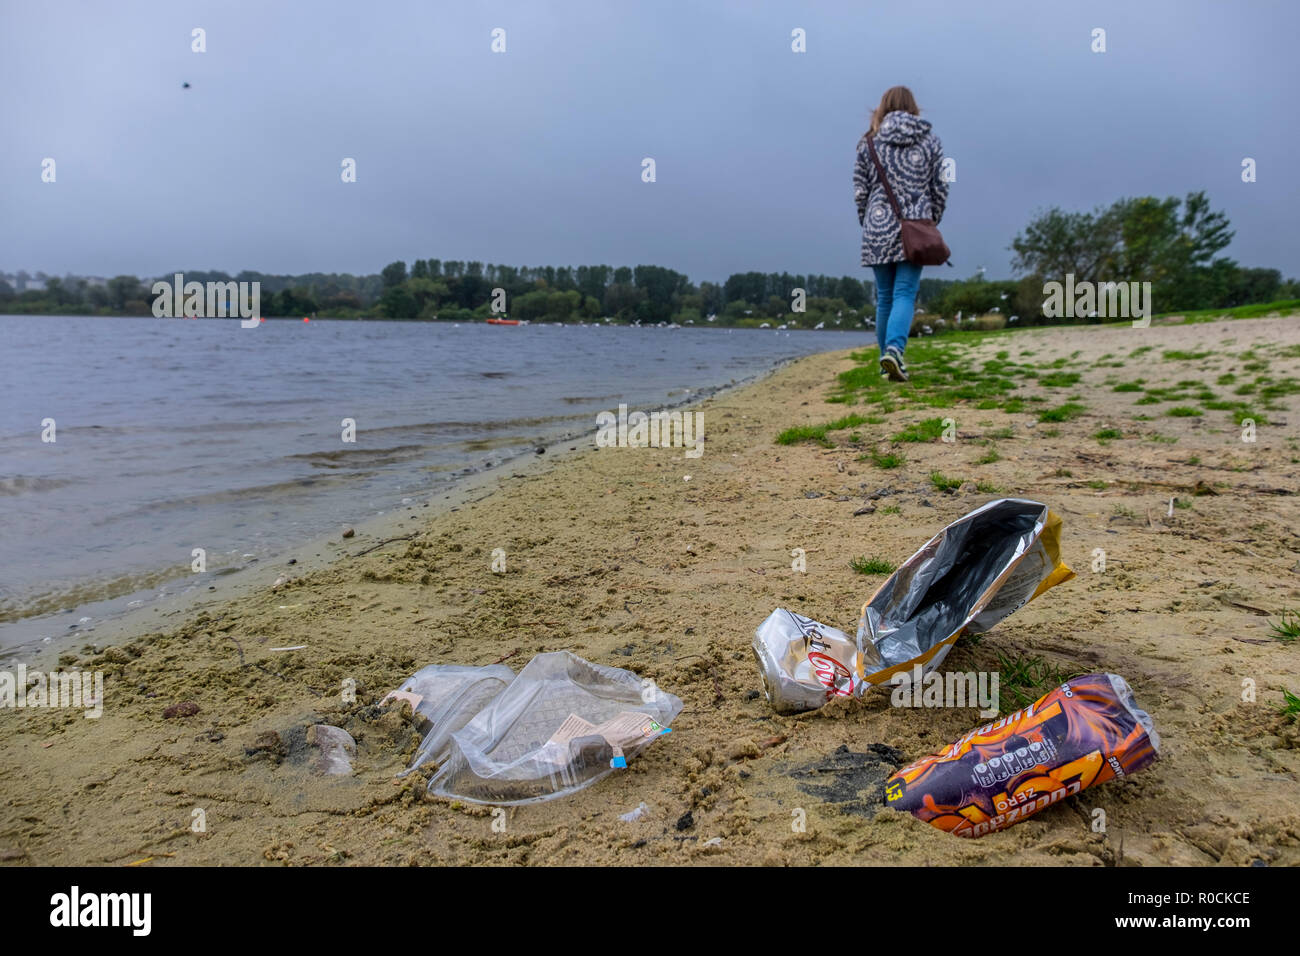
913,158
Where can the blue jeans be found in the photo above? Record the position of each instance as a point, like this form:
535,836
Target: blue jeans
896,285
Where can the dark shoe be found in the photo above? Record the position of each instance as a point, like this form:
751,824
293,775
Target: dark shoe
891,363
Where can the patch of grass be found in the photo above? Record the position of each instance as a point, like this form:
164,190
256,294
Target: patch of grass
1097,484
1050,432
1141,349
1181,355
1277,388
987,488
1023,679
1000,433
1062,413
989,457
1255,311
1183,411
1128,386
801,433
891,510
1064,473
886,459
927,430
1108,434
1287,628
817,433
1182,504
1060,379
866,565
1226,379
943,483
1291,706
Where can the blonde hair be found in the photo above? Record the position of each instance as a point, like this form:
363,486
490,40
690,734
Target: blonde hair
896,98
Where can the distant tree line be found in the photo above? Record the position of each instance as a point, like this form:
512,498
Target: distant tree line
459,291
1171,243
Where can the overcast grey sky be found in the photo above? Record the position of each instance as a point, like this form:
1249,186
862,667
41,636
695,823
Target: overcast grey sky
533,156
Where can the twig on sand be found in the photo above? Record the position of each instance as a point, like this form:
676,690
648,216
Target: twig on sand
506,657
239,647
1249,607
405,537
811,518
243,663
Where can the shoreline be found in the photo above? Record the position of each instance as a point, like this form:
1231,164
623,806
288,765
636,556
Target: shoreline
123,623
662,565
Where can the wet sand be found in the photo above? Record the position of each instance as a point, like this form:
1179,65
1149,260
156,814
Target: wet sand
662,564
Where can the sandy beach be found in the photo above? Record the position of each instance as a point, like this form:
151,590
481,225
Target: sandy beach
645,559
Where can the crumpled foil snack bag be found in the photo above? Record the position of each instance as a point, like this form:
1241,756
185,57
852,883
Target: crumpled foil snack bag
970,575
1085,732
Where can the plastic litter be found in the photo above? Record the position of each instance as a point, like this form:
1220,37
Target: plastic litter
972,574
636,813
334,749
561,725
1085,732
445,697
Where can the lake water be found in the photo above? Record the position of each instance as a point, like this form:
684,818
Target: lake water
172,435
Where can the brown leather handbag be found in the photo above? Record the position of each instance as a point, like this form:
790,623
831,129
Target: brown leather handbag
923,245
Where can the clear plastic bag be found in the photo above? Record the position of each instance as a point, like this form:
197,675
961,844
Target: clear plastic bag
449,697
563,724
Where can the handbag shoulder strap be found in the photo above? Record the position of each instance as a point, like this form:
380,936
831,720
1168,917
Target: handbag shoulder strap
884,180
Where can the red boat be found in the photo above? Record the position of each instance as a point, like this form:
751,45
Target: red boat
502,321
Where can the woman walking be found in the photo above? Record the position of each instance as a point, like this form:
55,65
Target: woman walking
911,157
